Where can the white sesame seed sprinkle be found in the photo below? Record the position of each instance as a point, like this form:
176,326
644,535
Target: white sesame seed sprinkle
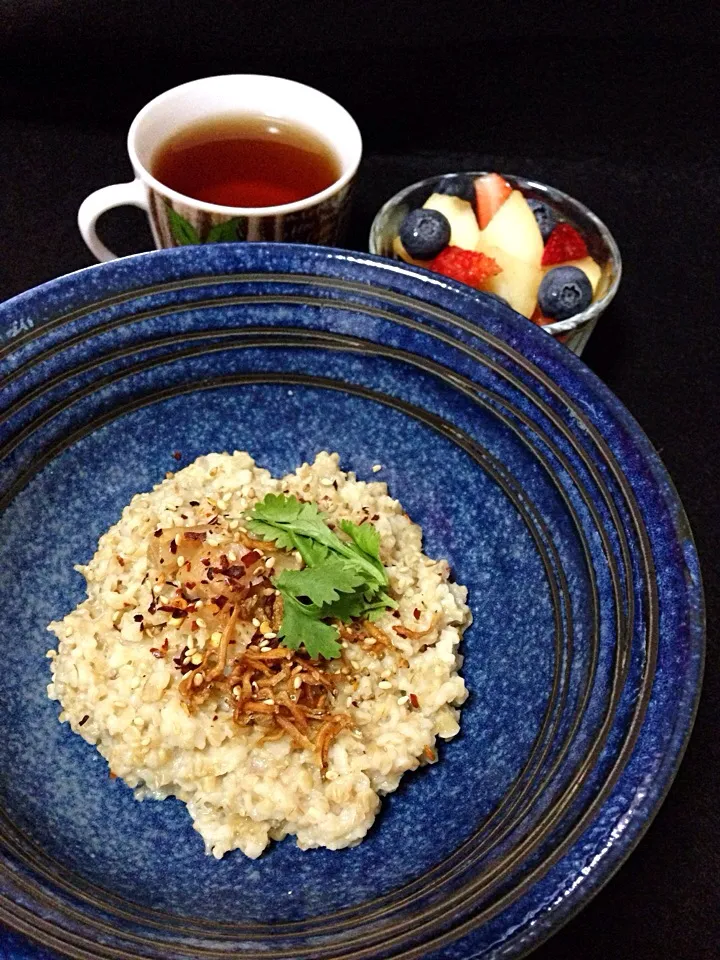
255,622
403,700
270,562
270,702
377,467
385,685
326,481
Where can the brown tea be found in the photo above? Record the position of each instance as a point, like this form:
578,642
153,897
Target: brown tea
246,161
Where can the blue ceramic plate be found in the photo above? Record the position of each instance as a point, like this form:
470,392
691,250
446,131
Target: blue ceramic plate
583,662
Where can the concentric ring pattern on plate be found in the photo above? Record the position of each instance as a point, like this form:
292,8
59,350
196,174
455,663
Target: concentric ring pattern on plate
584,659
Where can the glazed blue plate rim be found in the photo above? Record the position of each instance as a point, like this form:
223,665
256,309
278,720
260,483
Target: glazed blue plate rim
551,358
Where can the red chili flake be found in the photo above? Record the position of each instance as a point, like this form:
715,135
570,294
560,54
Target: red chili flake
251,557
414,701
184,516
189,584
205,561
194,503
176,455
416,613
121,561
173,547
113,776
178,660
84,720
215,717
375,516
195,535
175,611
158,533
429,754
160,652
138,618
220,601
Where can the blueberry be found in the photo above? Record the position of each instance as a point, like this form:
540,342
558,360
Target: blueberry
424,233
545,217
457,185
564,291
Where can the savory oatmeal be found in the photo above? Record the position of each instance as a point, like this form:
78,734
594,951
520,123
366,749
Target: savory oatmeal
276,653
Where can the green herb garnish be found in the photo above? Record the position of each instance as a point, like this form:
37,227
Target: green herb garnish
341,580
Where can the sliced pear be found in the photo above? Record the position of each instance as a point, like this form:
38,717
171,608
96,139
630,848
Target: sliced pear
400,251
517,283
591,268
464,230
514,229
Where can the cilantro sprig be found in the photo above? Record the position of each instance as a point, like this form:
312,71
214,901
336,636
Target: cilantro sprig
342,578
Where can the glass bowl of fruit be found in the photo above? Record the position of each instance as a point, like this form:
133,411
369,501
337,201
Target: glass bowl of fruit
543,252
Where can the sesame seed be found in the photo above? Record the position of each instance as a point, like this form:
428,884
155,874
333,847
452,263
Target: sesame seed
297,682
265,647
403,700
180,560
369,641
377,467
265,628
236,692
270,702
326,481
157,589
51,654
196,659
138,722
175,621
270,562
176,538
232,555
255,622
198,679
200,622
234,524
385,685
116,616
270,635
215,638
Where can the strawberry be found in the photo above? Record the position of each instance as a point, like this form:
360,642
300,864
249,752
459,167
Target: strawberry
541,320
491,191
464,265
563,244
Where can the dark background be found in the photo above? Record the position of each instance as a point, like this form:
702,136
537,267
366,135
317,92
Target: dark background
612,104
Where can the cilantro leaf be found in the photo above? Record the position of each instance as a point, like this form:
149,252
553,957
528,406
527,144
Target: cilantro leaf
341,579
313,553
265,531
321,584
364,536
297,628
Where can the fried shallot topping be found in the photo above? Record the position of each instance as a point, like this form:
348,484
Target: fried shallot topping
228,589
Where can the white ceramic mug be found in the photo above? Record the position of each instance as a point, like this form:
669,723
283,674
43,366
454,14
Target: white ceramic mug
320,218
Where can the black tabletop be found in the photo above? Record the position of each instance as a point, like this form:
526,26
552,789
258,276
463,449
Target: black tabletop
626,123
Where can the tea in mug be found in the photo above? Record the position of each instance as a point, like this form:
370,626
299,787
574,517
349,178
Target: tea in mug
246,160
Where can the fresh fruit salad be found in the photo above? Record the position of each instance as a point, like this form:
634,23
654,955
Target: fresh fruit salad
481,231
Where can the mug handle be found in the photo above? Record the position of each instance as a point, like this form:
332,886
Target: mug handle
116,195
